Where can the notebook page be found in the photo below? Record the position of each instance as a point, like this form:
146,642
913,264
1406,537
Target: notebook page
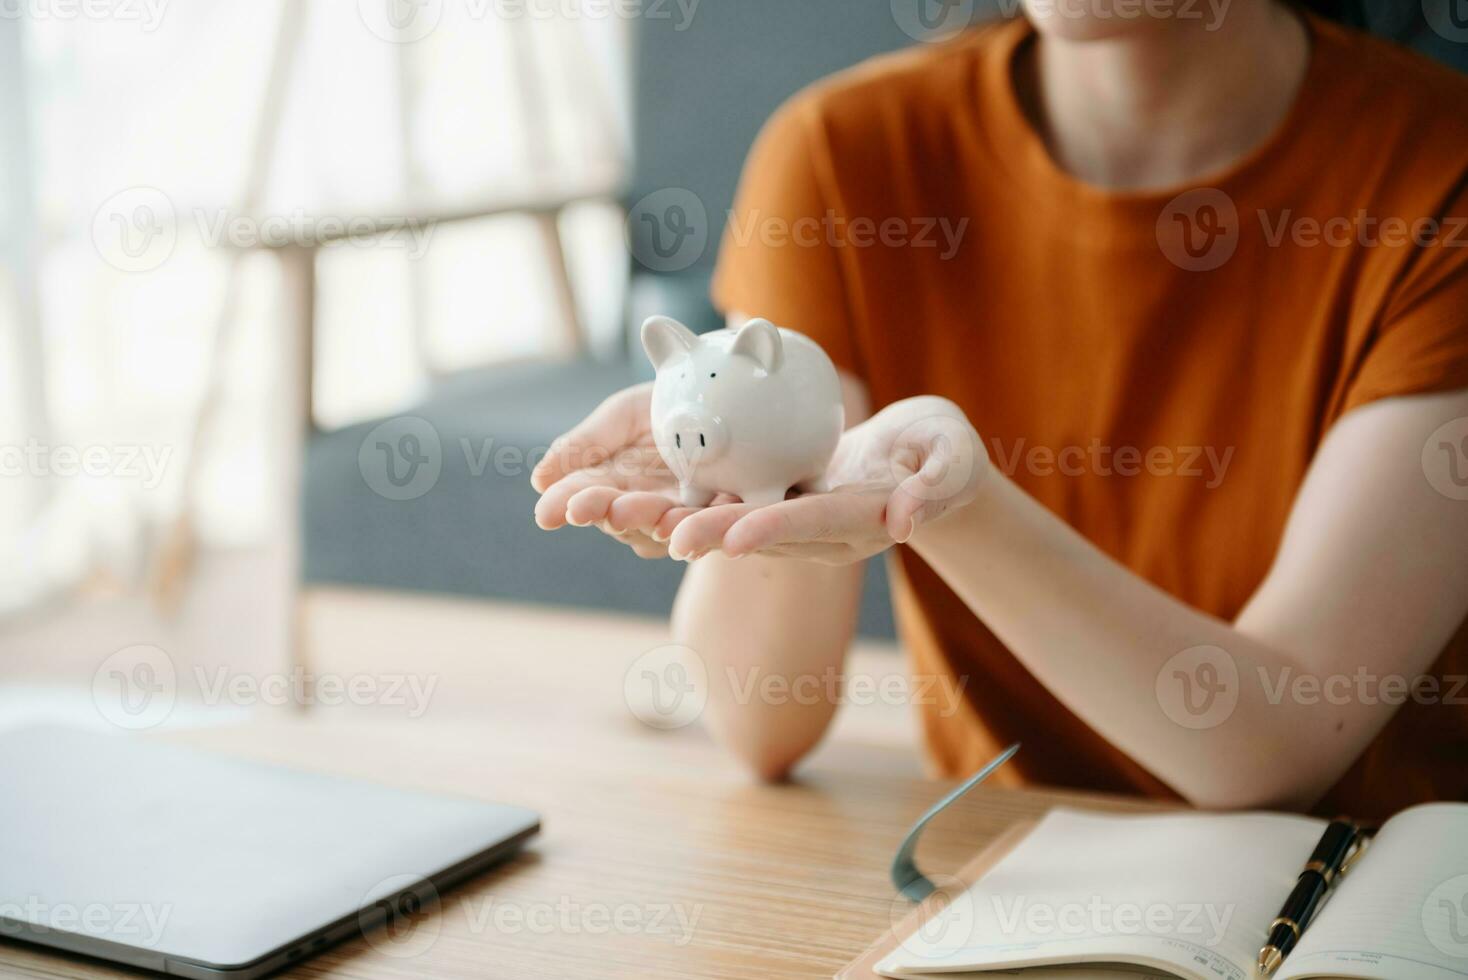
1402,913
1187,893
1065,973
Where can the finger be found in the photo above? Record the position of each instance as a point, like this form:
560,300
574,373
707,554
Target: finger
817,552
669,522
705,528
641,467
639,511
642,545
590,506
611,425
818,517
904,509
649,549
922,497
550,509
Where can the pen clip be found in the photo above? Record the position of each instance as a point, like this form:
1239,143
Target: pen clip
1363,840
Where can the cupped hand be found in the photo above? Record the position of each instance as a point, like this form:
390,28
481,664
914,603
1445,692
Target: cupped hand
910,464
606,472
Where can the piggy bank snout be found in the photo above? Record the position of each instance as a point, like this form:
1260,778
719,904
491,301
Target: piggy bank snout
693,437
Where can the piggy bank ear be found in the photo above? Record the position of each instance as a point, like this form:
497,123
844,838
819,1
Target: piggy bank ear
663,337
759,339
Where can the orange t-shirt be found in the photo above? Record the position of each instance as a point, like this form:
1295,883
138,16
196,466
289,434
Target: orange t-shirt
1157,369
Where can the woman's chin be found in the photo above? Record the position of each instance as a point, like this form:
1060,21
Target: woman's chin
1091,20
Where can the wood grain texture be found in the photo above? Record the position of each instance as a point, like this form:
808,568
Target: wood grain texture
658,857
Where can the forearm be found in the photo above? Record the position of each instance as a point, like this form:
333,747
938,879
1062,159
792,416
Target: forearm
773,633
1098,637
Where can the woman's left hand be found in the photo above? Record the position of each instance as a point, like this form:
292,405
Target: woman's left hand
908,465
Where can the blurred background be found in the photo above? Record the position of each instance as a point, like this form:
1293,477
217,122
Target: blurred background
294,292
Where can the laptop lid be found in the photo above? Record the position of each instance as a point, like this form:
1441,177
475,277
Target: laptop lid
176,860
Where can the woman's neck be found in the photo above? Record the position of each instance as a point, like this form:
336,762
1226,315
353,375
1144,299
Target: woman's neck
1169,104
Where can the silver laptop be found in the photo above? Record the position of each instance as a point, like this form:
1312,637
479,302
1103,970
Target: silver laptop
195,865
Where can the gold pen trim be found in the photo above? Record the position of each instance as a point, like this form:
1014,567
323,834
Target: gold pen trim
1282,921
1321,868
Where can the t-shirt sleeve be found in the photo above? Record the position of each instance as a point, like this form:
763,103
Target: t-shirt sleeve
776,259
1422,343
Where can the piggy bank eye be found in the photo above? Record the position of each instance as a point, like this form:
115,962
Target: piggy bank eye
713,374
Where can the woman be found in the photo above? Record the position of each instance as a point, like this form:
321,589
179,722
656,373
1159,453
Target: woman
1174,439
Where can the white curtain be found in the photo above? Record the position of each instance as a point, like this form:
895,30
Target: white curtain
128,132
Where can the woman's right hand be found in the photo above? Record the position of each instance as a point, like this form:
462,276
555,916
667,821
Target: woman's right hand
607,472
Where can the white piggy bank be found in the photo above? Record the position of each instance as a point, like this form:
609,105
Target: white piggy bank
750,412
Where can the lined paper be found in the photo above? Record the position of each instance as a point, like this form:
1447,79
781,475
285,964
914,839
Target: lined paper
1402,912
1190,894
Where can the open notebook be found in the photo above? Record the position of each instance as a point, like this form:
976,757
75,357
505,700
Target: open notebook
1192,896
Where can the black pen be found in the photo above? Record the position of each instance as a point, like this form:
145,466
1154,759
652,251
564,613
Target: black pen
1319,874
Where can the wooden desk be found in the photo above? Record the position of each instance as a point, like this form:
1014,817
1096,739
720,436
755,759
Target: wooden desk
640,827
